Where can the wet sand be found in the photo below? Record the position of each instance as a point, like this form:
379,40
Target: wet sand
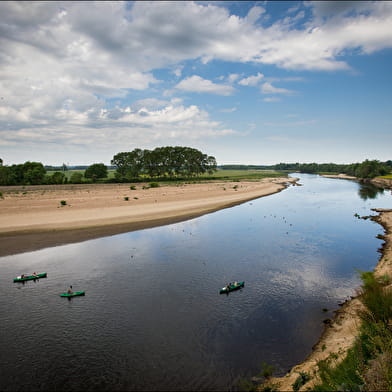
33,217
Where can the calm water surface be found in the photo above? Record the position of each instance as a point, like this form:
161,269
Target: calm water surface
152,318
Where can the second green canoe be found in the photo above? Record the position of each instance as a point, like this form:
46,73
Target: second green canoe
74,294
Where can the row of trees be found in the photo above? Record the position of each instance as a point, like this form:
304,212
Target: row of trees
34,173
162,162
366,169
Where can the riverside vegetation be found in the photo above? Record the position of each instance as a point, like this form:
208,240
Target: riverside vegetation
368,363
173,164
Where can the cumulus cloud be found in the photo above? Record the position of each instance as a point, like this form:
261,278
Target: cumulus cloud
251,80
268,88
63,63
197,84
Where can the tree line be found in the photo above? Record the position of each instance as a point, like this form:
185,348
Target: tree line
162,162
365,169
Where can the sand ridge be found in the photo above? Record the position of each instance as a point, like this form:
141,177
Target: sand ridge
33,217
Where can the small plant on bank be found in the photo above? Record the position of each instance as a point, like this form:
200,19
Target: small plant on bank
132,188
235,187
126,198
302,379
136,198
154,185
1,195
63,202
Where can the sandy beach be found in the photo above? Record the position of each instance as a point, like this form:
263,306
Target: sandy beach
33,217
339,335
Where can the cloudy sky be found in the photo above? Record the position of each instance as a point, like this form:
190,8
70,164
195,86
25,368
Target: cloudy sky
247,82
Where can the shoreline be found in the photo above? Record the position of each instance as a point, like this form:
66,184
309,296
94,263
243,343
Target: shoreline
34,220
341,331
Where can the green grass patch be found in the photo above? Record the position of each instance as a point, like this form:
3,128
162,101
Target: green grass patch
368,364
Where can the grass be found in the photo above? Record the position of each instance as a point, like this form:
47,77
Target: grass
387,176
368,364
219,175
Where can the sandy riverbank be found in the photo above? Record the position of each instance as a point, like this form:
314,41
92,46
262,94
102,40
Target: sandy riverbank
340,334
33,217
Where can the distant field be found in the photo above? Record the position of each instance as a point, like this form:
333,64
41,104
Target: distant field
387,176
218,175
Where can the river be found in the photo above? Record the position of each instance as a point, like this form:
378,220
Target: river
152,317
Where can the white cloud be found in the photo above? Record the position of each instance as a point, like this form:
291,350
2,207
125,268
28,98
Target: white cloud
199,85
254,14
233,77
251,80
268,88
62,63
271,99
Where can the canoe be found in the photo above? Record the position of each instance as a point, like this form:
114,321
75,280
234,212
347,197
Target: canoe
232,287
30,277
74,294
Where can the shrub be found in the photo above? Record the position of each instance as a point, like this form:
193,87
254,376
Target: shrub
1,195
63,202
132,188
302,379
76,178
154,185
126,198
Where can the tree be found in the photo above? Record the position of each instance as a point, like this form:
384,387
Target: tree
76,178
95,171
56,178
33,173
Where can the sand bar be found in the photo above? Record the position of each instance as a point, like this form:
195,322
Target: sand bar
33,217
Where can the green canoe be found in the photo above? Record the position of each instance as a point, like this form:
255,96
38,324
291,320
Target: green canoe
74,294
231,287
30,277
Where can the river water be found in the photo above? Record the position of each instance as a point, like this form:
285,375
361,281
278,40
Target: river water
153,318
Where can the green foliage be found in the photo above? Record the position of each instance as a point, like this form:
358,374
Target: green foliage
1,195
154,185
96,171
266,370
56,178
126,198
76,178
366,169
162,162
302,379
368,364
63,202
132,188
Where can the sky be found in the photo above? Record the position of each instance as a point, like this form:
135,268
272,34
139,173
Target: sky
248,82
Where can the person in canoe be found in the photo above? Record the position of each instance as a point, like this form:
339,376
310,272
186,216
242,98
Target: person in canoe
69,291
34,274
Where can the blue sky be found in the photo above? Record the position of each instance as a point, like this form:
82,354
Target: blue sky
247,82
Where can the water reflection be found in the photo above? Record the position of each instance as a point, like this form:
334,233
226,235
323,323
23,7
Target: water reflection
153,318
369,191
